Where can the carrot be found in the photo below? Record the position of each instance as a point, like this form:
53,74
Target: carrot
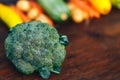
49,20
77,14
21,14
36,6
96,13
44,18
86,7
23,5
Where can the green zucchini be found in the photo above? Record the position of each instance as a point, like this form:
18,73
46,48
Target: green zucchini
56,9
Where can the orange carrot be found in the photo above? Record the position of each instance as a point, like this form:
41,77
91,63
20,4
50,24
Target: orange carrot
95,12
86,7
50,21
22,15
44,18
36,6
77,14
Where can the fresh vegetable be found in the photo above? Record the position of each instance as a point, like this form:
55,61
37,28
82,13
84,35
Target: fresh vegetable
41,16
77,14
44,18
32,13
23,5
36,6
36,46
9,16
103,6
56,9
116,3
85,6
20,13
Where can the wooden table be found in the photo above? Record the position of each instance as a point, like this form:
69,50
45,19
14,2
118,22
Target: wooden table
93,52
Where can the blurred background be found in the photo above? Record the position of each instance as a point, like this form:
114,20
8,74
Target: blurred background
59,11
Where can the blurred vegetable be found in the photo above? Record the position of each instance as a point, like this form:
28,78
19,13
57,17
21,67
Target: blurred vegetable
36,6
23,5
44,18
77,14
56,9
32,13
21,14
103,6
9,16
38,14
116,3
87,8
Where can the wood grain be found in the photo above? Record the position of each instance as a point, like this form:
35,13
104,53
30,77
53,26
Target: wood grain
93,52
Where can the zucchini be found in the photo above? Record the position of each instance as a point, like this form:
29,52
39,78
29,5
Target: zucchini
56,9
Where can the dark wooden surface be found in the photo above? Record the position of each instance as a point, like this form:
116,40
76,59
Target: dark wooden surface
93,52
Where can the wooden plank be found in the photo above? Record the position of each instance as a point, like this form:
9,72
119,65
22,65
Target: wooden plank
93,52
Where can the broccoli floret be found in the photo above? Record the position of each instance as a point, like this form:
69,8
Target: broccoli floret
36,46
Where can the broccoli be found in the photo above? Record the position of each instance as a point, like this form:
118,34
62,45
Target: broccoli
36,46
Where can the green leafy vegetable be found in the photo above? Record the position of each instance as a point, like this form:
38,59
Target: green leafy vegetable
36,46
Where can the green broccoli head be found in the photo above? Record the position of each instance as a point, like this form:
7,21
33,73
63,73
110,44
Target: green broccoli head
36,46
